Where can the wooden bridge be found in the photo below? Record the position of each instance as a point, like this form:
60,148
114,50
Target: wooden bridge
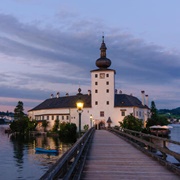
103,155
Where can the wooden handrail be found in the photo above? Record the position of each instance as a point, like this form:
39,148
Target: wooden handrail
151,136
141,138
68,164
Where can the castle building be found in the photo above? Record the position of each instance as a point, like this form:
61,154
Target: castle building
103,105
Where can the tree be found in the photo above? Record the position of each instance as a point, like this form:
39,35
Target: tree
45,125
21,123
67,132
32,125
154,113
132,123
156,119
19,111
56,126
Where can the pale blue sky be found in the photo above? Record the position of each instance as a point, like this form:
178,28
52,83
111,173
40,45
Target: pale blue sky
51,45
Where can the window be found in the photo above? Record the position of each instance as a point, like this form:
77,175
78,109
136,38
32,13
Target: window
62,117
96,83
67,117
96,75
107,82
101,113
96,103
107,75
52,117
47,117
107,90
57,117
107,102
136,113
123,113
96,91
139,113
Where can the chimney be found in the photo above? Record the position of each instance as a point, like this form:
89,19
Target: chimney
147,100
89,92
58,94
142,92
52,95
115,91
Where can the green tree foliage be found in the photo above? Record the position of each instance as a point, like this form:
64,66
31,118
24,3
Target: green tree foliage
21,123
19,111
162,120
32,125
132,123
156,119
56,126
154,113
68,132
86,127
45,125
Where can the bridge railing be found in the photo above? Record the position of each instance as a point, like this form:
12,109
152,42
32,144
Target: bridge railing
70,165
144,142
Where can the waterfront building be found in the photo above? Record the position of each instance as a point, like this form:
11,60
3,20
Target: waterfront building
104,106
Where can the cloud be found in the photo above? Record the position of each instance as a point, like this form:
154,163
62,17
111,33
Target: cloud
36,60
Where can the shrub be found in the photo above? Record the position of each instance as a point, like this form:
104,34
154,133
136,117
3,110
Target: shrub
132,123
68,132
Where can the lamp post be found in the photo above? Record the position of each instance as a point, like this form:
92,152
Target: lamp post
79,105
91,120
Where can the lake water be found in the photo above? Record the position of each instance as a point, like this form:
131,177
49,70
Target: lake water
175,135
18,159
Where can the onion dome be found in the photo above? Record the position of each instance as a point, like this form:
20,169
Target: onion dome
103,62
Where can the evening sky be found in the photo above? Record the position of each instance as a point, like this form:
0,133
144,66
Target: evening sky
50,46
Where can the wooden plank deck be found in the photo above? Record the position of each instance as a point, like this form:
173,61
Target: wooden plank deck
111,158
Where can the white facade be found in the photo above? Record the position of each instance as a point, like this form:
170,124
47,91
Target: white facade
102,89
100,105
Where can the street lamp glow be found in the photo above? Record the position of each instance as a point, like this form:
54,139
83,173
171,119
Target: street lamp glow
80,105
91,118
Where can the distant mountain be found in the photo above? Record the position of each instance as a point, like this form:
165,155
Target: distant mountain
175,111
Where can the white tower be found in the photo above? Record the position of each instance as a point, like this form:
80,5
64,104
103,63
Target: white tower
103,89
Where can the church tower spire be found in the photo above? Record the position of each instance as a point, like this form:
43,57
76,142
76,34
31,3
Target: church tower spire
103,62
102,88
103,49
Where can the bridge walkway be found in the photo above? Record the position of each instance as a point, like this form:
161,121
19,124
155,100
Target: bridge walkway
111,158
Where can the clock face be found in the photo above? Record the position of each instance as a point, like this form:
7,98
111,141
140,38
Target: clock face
102,75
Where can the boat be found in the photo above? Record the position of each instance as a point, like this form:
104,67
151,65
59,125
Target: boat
43,150
160,130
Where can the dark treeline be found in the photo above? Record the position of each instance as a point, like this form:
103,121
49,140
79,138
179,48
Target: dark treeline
175,111
6,113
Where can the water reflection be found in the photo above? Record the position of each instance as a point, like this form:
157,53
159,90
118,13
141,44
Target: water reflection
19,144
17,155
